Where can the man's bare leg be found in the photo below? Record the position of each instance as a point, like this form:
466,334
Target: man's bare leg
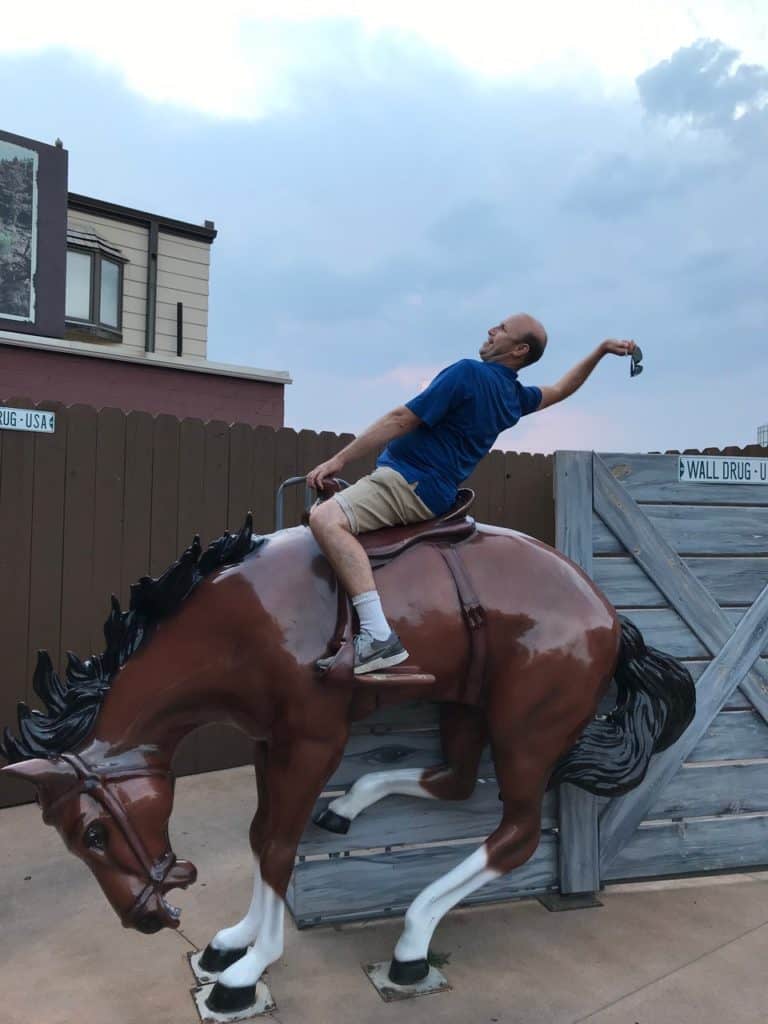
330,528
377,646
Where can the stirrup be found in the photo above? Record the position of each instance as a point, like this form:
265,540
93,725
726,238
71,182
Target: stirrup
341,672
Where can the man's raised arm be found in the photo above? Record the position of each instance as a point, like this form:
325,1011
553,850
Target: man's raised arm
394,424
573,380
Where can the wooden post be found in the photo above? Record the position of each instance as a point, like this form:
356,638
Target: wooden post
579,841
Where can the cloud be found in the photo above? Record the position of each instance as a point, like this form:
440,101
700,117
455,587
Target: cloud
706,85
385,220
245,62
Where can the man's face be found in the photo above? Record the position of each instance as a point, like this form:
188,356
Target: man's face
501,340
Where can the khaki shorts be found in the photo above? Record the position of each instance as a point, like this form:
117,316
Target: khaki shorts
385,498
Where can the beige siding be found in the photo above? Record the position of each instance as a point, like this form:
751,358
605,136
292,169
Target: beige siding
183,266
133,242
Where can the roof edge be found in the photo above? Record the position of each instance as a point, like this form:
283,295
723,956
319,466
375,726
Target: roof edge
189,363
114,211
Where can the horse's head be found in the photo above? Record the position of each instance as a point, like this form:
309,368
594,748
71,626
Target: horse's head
115,819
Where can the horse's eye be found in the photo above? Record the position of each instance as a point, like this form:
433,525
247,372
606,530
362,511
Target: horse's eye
95,837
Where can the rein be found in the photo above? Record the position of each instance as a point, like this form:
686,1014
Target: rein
96,785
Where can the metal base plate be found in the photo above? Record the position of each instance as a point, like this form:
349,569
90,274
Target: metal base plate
556,901
201,977
264,1004
378,975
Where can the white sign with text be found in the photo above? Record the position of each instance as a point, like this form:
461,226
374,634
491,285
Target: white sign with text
36,420
715,469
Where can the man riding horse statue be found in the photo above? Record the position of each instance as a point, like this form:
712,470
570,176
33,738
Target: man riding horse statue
512,640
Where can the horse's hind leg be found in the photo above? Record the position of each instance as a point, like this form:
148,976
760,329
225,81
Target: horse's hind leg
463,734
523,780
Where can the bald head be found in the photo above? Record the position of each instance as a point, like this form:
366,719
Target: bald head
517,341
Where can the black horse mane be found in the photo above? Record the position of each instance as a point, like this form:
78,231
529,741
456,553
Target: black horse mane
72,706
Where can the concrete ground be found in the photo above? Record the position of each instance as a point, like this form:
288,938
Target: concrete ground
664,953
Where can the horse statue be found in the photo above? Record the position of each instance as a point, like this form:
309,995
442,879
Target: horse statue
232,635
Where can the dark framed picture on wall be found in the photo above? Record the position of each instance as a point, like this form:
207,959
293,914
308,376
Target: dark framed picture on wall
18,231
33,236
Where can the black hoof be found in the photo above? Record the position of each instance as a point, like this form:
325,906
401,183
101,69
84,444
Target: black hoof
230,1000
408,972
214,961
333,822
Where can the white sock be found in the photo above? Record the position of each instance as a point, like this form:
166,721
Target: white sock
371,614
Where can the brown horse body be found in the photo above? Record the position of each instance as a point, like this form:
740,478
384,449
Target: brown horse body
241,648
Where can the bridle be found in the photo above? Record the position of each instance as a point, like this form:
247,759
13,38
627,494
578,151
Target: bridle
96,785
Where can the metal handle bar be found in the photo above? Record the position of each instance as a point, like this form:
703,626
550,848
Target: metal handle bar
308,496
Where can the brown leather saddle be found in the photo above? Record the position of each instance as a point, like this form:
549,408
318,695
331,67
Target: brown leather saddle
445,532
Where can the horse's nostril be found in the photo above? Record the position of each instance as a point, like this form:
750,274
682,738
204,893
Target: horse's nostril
149,924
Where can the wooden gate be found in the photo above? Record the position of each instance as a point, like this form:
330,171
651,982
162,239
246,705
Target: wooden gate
679,544
688,563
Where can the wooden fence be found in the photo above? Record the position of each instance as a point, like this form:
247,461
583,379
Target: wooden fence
110,496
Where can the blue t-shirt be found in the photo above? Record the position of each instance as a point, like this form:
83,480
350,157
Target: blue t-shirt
463,411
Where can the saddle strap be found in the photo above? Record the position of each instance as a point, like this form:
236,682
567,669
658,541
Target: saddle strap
474,613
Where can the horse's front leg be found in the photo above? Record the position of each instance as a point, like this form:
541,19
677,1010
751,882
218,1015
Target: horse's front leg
229,944
294,775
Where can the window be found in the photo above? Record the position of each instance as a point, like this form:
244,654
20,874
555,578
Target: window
94,293
762,435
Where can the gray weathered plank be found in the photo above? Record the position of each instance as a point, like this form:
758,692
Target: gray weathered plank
709,844
367,752
697,530
358,887
573,507
730,581
733,735
737,699
579,850
655,478
723,675
403,820
663,628
671,575
714,791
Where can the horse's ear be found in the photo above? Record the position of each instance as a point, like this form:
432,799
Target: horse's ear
51,778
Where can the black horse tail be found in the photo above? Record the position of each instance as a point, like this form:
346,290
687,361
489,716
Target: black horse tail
656,702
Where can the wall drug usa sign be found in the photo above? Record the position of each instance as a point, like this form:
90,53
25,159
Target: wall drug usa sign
710,469
36,420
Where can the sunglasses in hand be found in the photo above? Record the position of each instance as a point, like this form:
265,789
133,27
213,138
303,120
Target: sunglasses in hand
636,366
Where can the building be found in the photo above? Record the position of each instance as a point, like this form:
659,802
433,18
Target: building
108,305
762,435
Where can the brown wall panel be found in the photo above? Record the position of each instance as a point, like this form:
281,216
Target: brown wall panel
46,554
108,519
77,606
164,539
16,491
133,385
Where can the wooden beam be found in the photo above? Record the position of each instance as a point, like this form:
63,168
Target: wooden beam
579,851
687,595
622,816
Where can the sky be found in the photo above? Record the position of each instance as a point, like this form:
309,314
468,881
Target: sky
388,180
